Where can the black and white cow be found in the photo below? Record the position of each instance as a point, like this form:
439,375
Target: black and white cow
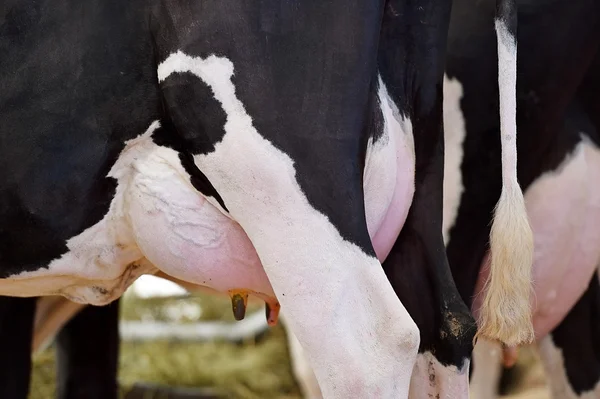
272,148
558,103
559,130
87,350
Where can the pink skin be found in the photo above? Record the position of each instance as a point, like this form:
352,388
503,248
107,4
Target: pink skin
187,237
564,211
196,241
394,219
229,261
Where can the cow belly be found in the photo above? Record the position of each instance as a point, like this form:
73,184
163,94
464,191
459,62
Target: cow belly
564,210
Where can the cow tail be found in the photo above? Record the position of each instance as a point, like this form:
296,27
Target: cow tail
506,311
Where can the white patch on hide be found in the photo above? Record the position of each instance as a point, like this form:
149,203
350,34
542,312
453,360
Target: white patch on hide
454,136
431,379
389,163
379,153
395,146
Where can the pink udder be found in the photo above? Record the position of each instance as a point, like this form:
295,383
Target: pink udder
394,219
188,238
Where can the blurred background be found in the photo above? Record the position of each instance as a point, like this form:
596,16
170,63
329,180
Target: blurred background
177,344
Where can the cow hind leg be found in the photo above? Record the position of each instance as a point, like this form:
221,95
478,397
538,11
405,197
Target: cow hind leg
16,326
487,369
357,334
417,267
359,338
309,387
571,353
51,314
87,354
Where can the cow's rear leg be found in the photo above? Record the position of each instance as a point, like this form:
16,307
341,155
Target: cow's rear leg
309,387
358,336
88,353
16,326
571,353
304,213
487,369
417,266
51,314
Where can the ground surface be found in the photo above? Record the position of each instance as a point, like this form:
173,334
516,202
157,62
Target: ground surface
255,369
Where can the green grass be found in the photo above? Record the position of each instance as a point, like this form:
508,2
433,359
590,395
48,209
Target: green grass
250,370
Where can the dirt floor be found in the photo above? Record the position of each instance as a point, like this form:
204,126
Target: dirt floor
256,369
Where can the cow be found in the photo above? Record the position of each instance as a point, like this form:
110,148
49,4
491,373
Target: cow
558,101
87,350
559,129
280,149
